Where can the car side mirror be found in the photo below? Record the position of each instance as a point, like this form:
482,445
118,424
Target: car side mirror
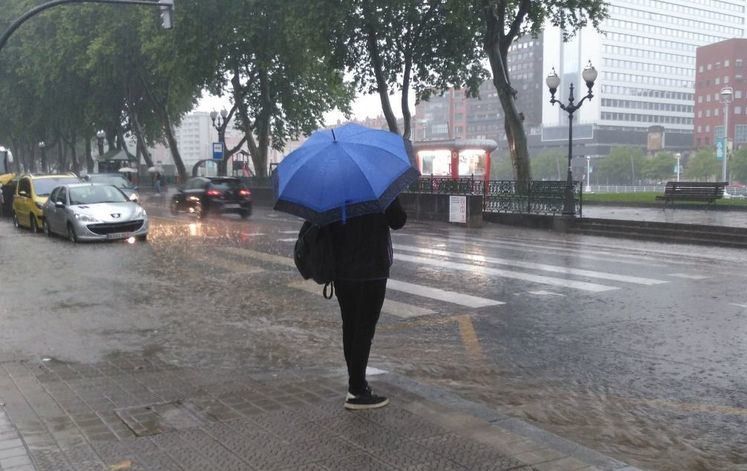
22,193
59,204
133,198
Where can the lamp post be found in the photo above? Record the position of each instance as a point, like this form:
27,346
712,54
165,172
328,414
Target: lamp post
678,156
220,123
589,75
43,150
100,135
726,95
588,174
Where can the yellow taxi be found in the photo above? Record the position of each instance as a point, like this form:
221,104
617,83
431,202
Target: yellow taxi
32,192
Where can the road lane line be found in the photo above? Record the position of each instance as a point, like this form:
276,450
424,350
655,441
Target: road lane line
688,276
532,265
395,308
546,280
410,288
469,338
288,240
465,300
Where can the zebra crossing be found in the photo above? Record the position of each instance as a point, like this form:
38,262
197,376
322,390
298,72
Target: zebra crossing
539,279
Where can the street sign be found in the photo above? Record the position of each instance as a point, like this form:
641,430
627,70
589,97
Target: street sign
217,151
458,209
720,149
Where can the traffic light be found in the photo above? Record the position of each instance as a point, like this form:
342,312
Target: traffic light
167,13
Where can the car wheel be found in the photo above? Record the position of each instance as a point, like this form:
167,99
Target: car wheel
71,234
45,228
173,208
15,220
33,224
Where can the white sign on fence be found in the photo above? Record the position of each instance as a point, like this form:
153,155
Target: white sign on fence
458,209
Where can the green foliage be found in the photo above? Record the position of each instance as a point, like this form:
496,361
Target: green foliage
501,168
549,165
703,166
738,165
409,45
659,167
621,167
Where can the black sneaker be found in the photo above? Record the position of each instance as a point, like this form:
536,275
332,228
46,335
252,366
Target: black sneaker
365,400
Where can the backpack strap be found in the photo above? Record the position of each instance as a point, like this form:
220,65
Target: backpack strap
331,286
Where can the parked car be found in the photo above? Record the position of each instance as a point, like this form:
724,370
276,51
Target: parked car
207,195
92,211
31,193
116,179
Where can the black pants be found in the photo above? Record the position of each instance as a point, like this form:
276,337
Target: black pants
360,305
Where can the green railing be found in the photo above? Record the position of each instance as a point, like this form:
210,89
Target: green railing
505,196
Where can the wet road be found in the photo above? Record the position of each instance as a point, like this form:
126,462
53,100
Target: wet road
635,349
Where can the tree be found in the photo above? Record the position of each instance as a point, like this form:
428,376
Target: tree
549,165
738,165
622,166
501,168
703,165
506,21
410,46
273,59
659,167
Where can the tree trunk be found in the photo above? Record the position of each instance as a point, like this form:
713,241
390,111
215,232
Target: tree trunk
140,136
61,156
496,47
32,158
173,146
89,157
406,115
74,154
376,63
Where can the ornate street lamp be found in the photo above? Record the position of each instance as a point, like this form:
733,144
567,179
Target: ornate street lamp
589,75
727,93
100,135
219,123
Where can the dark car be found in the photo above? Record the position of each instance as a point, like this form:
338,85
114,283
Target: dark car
115,179
6,197
212,195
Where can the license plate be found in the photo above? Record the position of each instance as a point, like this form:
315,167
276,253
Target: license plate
118,235
232,206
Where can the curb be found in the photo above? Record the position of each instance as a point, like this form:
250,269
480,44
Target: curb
508,424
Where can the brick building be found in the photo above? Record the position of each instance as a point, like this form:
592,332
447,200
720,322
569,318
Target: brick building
721,66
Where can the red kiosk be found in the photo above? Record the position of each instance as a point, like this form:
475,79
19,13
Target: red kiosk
455,157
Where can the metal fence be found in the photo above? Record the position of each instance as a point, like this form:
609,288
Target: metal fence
505,196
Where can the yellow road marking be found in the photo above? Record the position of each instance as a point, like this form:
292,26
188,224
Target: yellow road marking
469,338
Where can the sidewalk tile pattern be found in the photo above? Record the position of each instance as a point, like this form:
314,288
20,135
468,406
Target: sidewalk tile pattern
140,414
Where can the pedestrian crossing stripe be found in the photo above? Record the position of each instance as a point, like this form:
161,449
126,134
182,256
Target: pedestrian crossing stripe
395,285
546,280
395,308
533,266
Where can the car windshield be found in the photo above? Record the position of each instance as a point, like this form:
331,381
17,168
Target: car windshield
96,194
116,180
224,185
44,186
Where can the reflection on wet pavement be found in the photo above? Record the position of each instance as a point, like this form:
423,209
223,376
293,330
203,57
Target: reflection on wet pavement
649,371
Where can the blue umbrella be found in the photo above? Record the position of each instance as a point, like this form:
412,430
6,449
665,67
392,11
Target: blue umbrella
343,173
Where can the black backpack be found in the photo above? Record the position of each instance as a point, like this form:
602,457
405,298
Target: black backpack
314,255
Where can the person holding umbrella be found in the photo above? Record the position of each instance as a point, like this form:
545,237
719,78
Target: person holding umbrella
349,178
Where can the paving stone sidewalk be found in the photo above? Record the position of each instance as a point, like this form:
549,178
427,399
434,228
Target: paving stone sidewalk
132,413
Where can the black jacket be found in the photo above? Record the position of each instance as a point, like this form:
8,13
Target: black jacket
363,245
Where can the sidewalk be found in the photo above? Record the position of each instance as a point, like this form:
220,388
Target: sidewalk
706,217
132,413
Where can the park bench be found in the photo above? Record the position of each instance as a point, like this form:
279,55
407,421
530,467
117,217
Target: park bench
692,191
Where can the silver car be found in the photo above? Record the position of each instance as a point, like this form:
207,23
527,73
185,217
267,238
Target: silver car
91,211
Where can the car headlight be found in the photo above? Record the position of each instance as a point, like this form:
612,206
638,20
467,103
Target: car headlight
140,213
39,205
85,218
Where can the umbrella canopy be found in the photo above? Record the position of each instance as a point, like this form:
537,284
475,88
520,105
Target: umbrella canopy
342,173
127,170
